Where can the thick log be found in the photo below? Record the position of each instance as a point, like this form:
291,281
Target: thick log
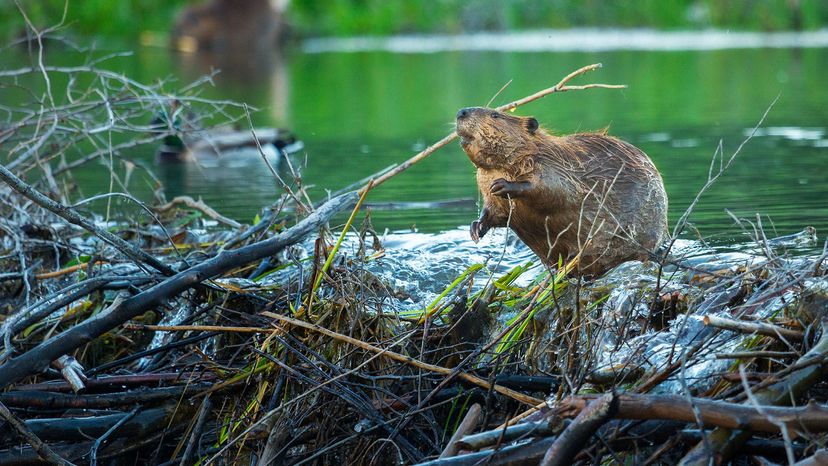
38,358
578,433
82,428
712,413
51,400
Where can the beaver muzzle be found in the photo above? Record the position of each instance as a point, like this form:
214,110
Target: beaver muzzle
462,126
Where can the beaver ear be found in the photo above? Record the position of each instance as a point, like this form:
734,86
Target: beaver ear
531,125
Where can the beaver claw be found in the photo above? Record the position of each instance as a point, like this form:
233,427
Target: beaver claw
502,188
477,230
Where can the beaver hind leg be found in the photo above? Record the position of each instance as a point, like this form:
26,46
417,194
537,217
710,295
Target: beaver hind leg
488,219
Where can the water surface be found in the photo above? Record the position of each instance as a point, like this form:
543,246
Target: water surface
359,112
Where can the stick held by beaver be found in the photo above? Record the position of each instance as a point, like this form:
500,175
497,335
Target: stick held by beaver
585,192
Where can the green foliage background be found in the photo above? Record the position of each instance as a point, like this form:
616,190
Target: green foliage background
129,19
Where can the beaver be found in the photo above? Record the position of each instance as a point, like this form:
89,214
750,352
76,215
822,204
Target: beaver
587,192
230,26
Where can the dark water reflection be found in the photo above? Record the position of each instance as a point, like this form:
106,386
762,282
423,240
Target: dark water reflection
361,112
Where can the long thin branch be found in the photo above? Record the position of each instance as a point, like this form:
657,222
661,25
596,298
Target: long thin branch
560,87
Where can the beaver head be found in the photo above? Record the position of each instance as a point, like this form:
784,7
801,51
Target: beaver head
494,139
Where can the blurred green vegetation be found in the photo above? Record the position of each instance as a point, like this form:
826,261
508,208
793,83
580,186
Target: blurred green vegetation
129,19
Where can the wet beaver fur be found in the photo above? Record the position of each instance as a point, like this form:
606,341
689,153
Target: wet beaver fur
584,192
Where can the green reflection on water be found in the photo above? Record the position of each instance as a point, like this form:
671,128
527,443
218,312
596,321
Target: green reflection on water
358,113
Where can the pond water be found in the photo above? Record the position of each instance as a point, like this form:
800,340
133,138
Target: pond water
359,110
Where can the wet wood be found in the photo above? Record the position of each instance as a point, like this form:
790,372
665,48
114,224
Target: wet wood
469,423
41,356
759,328
583,427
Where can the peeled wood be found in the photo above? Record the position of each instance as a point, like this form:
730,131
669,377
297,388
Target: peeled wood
39,357
510,433
522,454
754,327
470,421
819,458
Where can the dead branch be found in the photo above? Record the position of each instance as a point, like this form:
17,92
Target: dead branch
760,328
469,423
43,450
560,87
200,206
723,441
712,413
39,357
136,254
573,438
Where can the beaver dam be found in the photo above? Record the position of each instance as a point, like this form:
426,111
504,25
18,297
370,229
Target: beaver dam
178,336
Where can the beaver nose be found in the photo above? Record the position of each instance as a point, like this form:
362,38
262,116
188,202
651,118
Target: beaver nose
463,113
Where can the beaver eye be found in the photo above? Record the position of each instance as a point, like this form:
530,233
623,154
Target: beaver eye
495,115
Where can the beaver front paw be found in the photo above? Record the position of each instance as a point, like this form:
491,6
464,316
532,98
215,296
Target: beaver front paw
502,188
477,230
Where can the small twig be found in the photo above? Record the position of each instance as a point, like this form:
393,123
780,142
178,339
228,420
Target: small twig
67,270
93,453
200,206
